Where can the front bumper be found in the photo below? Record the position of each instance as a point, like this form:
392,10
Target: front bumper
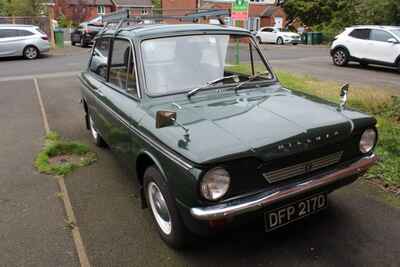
259,201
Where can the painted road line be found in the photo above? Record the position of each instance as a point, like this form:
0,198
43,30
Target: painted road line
76,235
40,76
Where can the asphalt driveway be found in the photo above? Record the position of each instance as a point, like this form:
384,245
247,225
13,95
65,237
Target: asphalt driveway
356,230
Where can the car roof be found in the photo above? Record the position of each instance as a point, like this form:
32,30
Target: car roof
144,30
381,27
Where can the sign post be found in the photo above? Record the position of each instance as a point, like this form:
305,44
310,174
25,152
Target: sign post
240,14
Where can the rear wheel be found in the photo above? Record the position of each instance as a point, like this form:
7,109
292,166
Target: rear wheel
97,139
163,209
279,41
340,57
31,52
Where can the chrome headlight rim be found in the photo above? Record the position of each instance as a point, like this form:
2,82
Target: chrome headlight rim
207,176
375,141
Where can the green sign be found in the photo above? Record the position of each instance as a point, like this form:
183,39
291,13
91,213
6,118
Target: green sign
240,6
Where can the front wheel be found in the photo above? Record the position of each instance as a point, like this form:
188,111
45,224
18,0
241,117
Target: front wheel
259,40
163,210
340,57
279,41
31,52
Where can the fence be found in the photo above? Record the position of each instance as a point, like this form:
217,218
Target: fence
41,21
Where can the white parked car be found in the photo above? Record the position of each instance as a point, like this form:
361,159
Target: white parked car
277,36
378,45
22,40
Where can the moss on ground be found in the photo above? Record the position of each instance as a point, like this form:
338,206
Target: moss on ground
55,147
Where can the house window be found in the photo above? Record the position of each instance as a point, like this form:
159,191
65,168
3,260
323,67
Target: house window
263,1
101,10
144,11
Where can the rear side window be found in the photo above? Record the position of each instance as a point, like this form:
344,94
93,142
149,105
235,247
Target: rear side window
6,33
23,33
360,34
99,60
122,72
380,36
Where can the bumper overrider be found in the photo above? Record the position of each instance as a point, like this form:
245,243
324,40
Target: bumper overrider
261,200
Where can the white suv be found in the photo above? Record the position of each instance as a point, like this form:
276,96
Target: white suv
378,45
277,36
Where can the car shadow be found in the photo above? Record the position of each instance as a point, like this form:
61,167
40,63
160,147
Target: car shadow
251,244
376,68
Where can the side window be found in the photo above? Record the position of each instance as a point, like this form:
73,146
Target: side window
360,34
122,71
24,33
268,30
6,33
99,61
380,36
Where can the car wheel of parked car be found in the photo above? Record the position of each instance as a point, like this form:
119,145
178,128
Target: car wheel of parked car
259,40
83,44
340,57
163,209
279,41
73,43
98,140
31,52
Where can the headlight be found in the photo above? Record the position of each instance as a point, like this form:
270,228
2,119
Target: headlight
215,184
368,140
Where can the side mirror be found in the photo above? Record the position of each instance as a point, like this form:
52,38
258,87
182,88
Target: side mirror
165,118
168,118
393,41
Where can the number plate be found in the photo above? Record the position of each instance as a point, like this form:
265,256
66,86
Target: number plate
294,211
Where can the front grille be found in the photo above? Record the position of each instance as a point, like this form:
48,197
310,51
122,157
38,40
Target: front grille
302,168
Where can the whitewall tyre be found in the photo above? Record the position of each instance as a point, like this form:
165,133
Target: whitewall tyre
163,209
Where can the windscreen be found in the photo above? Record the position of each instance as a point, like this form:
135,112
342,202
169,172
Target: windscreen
178,64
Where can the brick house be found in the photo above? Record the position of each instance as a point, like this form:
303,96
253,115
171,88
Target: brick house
137,7
262,13
83,10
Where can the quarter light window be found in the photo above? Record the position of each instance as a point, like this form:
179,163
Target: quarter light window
99,61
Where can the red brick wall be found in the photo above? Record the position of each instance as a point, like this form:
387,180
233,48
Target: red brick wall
179,4
77,13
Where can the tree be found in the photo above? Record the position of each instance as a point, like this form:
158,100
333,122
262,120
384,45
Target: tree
21,7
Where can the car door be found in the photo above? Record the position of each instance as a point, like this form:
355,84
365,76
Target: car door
121,96
95,80
8,42
357,43
267,35
380,49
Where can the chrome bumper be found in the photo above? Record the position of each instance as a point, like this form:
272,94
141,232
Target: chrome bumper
248,204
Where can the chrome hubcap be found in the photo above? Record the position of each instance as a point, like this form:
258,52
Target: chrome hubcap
340,57
92,129
30,52
159,208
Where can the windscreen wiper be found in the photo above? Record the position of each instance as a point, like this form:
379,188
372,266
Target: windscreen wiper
250,79
195,90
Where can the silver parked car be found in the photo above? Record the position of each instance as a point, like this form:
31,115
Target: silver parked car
22,40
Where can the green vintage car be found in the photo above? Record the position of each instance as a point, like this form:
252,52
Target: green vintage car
201,122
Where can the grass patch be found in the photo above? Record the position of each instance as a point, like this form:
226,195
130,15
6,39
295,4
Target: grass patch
380,103
61,157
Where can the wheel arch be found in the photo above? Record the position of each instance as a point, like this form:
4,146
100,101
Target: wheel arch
397,62
341,47
144,160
